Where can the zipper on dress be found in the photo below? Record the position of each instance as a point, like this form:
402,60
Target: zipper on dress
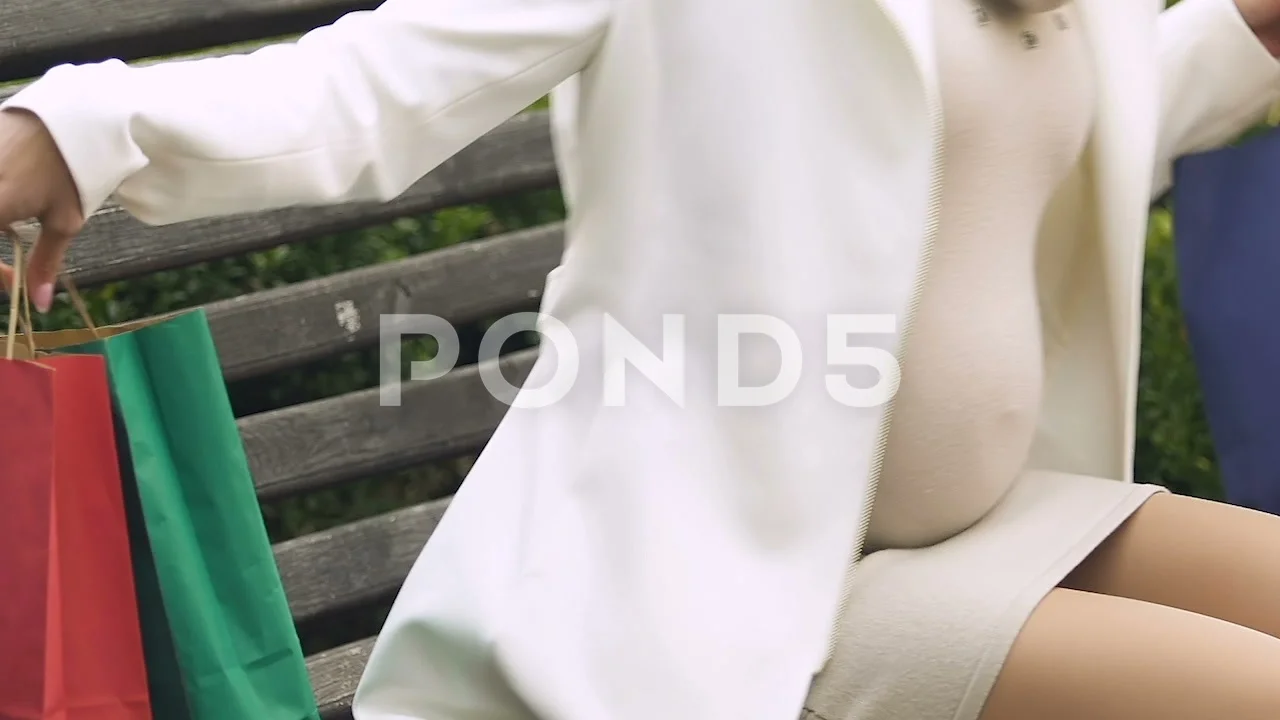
932,216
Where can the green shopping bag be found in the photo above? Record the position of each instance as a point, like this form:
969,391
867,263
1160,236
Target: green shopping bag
219,638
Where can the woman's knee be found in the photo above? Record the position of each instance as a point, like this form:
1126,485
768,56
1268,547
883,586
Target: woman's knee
1205,557
1084,655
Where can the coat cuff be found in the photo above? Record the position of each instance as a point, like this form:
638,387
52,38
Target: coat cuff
1232,64
87,110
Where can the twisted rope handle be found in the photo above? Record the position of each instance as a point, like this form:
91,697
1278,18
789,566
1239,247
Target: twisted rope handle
22,316
16,293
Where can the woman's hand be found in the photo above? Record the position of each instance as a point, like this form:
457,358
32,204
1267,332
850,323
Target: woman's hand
35,183
1264,17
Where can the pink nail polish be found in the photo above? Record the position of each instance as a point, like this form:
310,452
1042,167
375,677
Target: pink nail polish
43,297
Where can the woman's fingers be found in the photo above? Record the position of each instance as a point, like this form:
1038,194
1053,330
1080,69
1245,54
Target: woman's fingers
46,260
35,182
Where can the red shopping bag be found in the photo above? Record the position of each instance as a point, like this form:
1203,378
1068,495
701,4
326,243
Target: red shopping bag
70,644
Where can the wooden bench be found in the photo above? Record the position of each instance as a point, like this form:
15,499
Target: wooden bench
336,440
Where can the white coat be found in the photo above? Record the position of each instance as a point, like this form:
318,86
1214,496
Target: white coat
654,560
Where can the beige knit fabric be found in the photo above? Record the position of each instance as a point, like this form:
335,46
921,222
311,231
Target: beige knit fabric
977,540
1018,103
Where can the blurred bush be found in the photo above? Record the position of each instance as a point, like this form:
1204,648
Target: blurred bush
1173,445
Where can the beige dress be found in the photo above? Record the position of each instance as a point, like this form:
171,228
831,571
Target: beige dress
964,542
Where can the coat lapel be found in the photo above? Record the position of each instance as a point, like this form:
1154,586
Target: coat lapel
915,19
1123,36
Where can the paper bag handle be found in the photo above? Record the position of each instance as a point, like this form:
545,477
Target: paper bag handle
15,295
80,306
18,314
20,295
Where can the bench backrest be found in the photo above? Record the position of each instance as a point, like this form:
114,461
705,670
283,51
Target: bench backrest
319,444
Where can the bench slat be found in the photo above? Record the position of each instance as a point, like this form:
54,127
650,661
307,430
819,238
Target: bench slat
515,157
291,325
36,34
308,446
12,89
334,676
356,563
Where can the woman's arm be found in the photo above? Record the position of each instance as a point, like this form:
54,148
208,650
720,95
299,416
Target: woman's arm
1217,79
358,110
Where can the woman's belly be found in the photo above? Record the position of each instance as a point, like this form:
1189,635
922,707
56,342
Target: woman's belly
1018,103
966,412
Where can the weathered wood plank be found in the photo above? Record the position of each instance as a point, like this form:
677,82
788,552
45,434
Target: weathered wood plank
334,676
515,157
356,563
308,446
37,34
11,89
291,325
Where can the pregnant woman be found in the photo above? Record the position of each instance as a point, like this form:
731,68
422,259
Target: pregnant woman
962,185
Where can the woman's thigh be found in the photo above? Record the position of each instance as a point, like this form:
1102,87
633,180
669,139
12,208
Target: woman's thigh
1196,555
1085,656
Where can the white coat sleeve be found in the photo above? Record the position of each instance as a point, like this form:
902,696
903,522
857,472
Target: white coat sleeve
357,110
1217,79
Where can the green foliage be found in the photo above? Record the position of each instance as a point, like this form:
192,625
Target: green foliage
1173,445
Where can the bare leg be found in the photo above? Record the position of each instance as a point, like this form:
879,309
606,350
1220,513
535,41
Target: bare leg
1085,656
1201,556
